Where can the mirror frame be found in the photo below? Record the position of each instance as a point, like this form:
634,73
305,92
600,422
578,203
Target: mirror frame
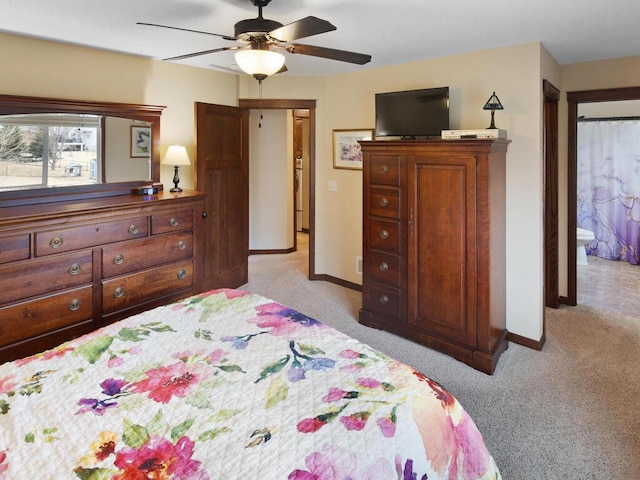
15,104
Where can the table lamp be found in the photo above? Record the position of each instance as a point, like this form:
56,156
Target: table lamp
493,104
176,155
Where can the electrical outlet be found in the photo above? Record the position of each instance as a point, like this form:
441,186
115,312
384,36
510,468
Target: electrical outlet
333,186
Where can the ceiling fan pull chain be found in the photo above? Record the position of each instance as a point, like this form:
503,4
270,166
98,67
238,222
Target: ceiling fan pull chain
260,102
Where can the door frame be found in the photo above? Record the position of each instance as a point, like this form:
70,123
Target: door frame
573,100
551,95
285,104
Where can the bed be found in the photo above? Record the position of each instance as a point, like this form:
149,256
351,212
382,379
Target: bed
229,385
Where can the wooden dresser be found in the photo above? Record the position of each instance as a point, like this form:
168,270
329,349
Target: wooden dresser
69,267
434,245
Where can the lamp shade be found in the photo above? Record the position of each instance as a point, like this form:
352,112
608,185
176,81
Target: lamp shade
176,155
259,63
493,103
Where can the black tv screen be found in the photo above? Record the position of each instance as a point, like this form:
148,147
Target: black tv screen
412,113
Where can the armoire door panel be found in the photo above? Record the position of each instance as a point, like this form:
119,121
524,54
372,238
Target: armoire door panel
441,267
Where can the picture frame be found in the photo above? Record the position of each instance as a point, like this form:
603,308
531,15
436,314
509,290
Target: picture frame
140,141
346,149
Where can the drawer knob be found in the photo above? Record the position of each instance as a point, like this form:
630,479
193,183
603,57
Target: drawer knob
384,234
384,169
182,274
384,202
384,299
173,222
74,304
384,267
118,259
74,269
182,245
56,242
133,229
118,292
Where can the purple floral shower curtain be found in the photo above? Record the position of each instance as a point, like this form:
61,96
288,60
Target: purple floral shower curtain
609,187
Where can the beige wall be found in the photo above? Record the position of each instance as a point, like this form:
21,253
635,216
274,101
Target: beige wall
48,69
117,148
622,108
271,180
343,101
347,101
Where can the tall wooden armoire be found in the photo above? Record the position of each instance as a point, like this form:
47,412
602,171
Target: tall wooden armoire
434,245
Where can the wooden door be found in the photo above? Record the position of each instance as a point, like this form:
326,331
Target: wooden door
222,171
442,293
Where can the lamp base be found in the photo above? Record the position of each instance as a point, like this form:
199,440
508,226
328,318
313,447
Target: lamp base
493,125
176,180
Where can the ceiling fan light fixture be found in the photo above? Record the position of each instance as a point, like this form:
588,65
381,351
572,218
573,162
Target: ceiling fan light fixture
259,63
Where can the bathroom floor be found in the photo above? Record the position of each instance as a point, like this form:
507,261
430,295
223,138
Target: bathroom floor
610,285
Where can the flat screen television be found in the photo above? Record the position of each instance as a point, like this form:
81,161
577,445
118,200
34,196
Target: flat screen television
412,113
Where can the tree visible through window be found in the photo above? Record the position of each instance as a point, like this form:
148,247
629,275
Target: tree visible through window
47,150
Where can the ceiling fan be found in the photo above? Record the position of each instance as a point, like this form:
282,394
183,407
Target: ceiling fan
260,38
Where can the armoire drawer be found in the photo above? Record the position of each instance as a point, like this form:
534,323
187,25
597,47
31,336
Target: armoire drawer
42,275
384,236
384,300
172,221
384,268
128,290
384,202
73,238
121,258
14,247
29,319
385,170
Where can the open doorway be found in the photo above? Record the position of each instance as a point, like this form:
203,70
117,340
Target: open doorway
301,176
608,215
310,107
300,127
574,100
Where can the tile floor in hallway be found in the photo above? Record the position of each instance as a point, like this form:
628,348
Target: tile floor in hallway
609,285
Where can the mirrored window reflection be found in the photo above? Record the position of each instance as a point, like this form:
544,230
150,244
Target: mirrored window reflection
49,150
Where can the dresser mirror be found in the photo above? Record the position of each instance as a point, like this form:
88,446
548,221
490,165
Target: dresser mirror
58,149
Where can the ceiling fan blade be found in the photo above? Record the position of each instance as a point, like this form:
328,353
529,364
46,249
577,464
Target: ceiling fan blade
333,54
226,37
302,28
205,52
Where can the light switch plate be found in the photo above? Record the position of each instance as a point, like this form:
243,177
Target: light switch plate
333,186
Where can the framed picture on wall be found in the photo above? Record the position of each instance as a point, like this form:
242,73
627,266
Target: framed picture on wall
346,149
140,141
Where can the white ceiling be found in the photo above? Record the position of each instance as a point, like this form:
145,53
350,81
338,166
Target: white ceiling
392,31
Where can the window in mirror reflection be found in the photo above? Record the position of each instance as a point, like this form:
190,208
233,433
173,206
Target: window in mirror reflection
49,150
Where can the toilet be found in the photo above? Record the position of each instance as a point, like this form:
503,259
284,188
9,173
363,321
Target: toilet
583,238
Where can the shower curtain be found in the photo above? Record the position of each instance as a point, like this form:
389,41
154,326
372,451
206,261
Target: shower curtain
609,187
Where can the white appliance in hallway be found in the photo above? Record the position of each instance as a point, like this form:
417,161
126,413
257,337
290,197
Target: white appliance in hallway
298,186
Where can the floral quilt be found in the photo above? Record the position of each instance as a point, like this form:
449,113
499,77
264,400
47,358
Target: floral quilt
229,385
